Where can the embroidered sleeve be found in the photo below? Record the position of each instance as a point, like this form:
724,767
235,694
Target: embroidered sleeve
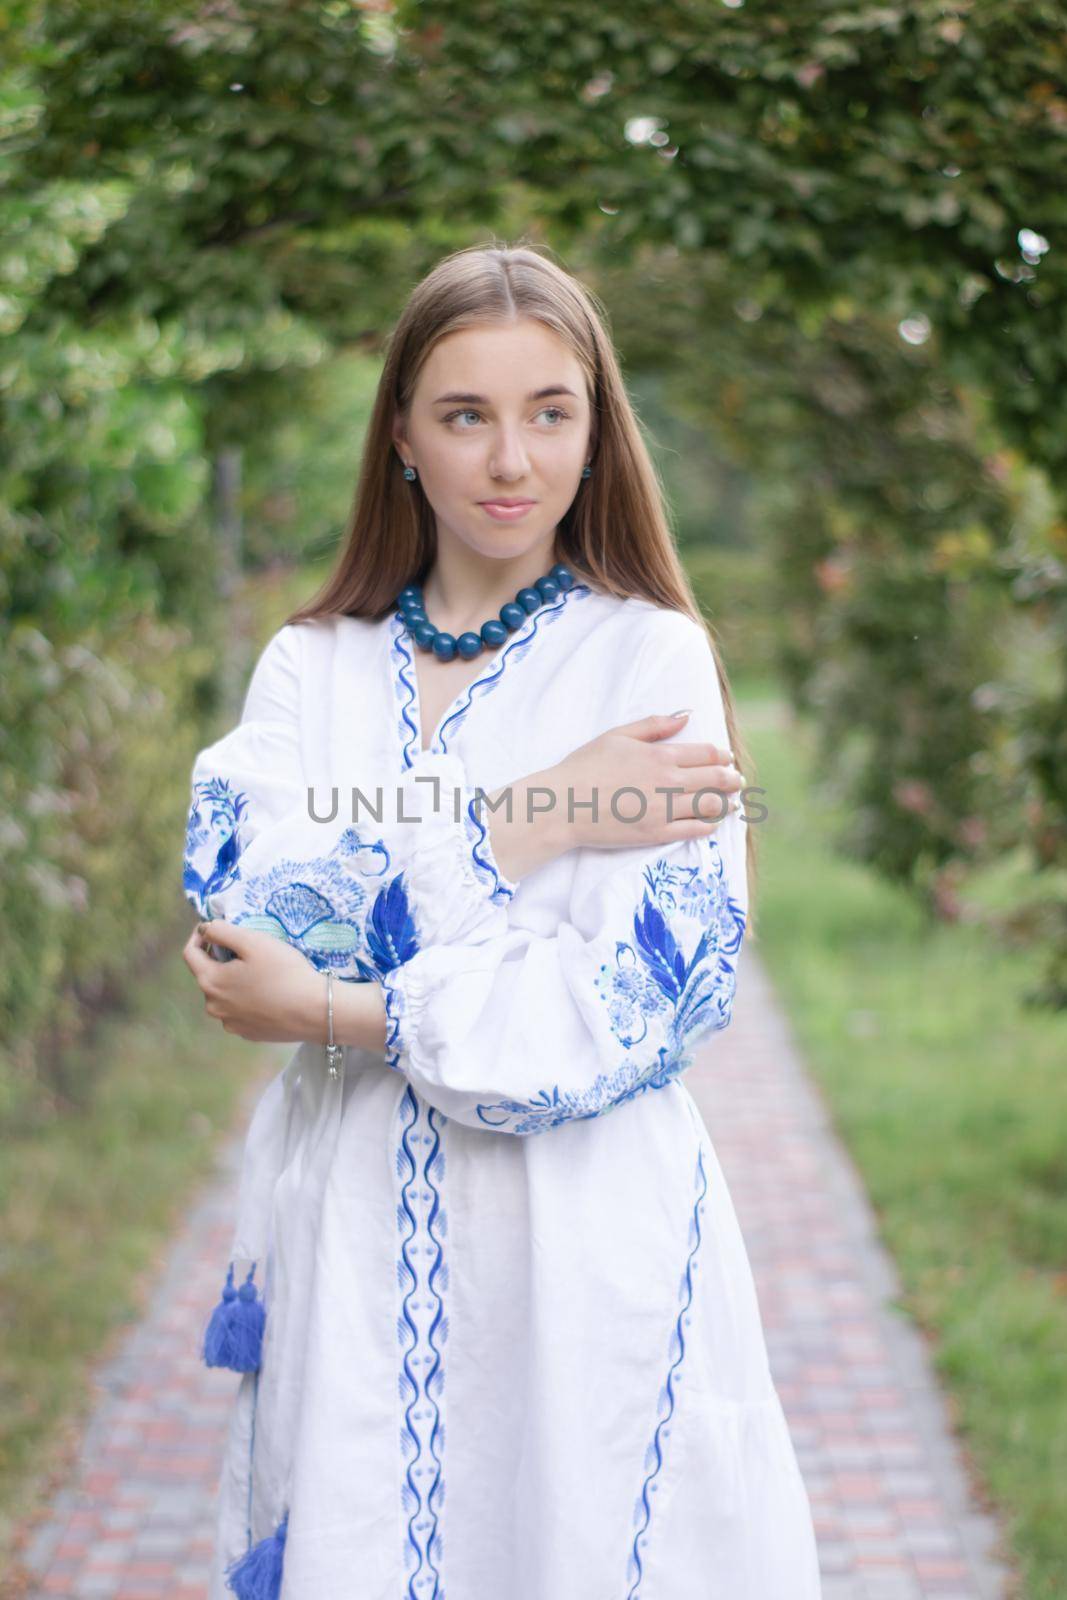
346,895
246,780
520,1031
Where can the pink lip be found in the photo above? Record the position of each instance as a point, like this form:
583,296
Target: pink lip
506,510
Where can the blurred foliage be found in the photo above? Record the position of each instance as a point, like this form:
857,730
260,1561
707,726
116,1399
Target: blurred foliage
300,466
99,740
896,156
709,491
733,589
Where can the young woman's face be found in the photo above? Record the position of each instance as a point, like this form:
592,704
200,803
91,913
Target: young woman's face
499,412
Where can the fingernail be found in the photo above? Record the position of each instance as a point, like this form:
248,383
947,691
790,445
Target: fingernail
684,713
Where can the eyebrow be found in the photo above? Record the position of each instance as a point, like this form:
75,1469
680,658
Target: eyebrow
483,400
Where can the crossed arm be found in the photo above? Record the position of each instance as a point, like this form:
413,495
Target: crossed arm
272,994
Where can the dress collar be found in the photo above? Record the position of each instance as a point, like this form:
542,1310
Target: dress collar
401,652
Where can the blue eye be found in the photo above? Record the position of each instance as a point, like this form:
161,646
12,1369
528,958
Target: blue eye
467,412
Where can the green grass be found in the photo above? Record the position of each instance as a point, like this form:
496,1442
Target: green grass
89,1203
952,1097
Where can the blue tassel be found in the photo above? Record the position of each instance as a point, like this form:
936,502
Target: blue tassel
234,1336
257,1575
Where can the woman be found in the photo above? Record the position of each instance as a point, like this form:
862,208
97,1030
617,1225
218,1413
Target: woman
479,1363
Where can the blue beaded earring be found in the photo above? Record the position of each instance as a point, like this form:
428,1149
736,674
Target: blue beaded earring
587,471
410,474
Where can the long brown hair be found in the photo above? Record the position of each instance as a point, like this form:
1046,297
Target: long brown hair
616,531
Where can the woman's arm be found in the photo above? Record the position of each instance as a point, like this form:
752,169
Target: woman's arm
271,994
569,806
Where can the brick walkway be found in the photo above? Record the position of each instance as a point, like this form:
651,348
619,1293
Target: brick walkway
893,1514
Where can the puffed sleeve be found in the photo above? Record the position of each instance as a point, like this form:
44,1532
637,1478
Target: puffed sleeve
518,1031
260,853
247,781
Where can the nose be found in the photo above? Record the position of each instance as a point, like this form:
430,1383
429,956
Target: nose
507,454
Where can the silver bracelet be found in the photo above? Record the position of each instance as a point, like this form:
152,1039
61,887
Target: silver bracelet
335,1054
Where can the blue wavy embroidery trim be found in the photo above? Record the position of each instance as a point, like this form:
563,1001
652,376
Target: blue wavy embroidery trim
408,1276
403,661
437,1333
513,651
407,694
654,1455
501,892
419,1238
394,1010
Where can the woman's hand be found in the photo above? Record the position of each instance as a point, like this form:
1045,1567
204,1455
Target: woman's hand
270,993
552,812
632,758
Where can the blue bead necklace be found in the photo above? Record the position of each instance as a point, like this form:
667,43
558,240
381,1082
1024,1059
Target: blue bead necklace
512,616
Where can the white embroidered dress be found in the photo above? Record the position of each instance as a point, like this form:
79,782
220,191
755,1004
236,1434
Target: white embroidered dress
512,1347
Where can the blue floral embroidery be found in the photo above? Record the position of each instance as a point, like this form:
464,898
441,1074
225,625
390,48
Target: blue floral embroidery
422,1331
655,977
665,1405
391,929
212,841
318,904
654,990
